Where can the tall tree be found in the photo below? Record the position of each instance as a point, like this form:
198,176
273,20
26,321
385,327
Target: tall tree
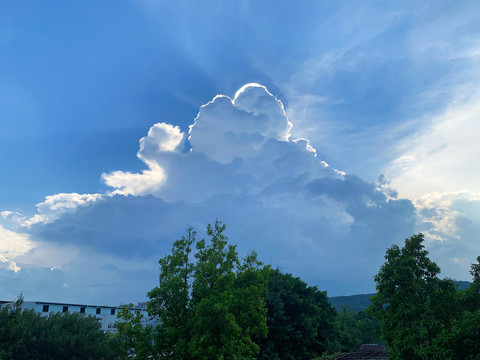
170,301
210,303
412,303
470,297
353,329
462,339
299,318
133,338
227,300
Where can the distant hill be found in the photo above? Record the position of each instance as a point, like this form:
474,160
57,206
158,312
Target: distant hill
361,301
462,285
352,302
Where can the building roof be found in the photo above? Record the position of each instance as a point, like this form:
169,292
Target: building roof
366,352
140,307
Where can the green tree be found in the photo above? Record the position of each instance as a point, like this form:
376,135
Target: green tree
353,329
460,342
412,303
27,335
170,301
210,303
462,339
133,338
470,297
299,318
70,336
14,330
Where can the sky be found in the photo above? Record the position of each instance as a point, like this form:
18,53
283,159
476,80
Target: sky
320,132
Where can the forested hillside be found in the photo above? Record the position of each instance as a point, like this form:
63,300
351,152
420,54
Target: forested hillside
361,302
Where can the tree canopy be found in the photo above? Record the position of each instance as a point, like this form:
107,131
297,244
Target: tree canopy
421,315
299,319
27,335
210,302
213,304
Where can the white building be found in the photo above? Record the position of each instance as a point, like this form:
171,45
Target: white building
106,314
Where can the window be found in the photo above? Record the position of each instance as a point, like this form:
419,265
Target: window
45,308
82,310
65,309
112,312
98,311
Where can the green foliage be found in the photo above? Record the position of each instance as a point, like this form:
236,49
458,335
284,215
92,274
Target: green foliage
470,298
353,329
133,338
354,303
26,335
422,316
210,304
213,305
462,339
300,319
407,298
170,301
460,342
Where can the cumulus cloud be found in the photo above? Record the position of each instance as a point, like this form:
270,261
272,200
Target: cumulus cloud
241,165
225,129
56,205
235,143
444,214
451,223
13,245
239,126
161,138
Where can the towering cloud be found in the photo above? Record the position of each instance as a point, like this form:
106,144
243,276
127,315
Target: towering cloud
237,163
162,138
229,128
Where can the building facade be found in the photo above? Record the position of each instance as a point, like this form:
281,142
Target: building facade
107,315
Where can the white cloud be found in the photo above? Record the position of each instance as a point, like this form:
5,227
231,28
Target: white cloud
275,194
227,128
12,219
13,245
56,205
161,138
442,156
252,128
127,183
442,212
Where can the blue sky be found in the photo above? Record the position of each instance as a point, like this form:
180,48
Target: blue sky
122,122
